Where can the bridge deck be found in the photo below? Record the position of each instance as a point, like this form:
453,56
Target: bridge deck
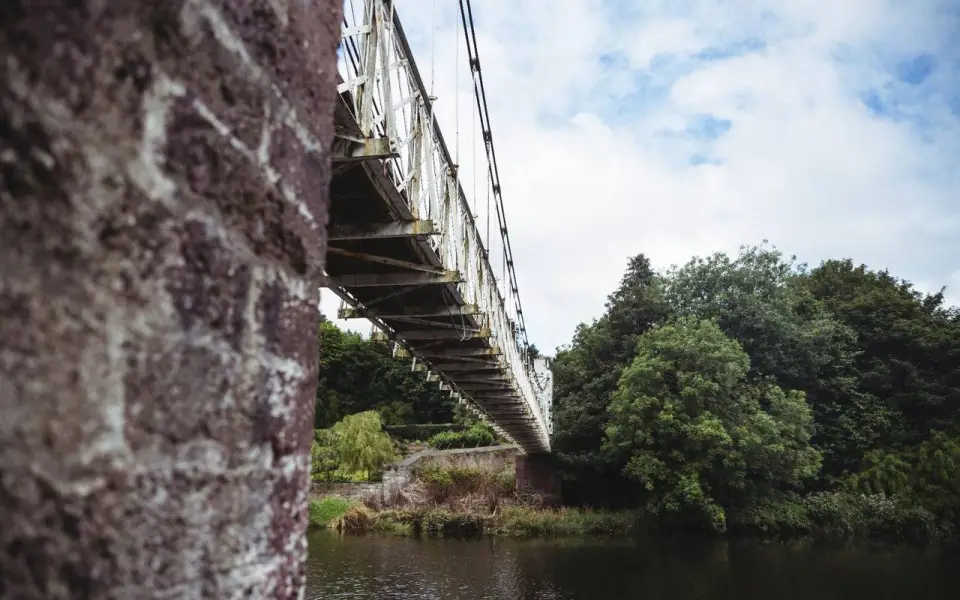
393,189
414,295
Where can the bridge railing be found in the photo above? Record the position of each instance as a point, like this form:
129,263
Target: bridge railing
392,106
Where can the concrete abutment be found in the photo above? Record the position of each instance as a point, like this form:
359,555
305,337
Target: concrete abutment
536,474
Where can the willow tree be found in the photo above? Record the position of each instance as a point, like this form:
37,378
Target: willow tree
362,445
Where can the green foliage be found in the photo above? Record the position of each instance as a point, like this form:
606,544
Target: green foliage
328,510
928,474
907,369
512,521
421,431
324,455
758,298
478,435
840,515
518,521
712,422
585,378
362,445
357,375
697,434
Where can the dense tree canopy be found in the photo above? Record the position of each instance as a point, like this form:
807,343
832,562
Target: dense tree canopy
585,378
718,385
358,375
699,435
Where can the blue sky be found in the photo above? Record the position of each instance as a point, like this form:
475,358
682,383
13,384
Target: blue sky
680,128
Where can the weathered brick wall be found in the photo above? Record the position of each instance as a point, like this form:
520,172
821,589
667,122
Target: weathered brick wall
163,204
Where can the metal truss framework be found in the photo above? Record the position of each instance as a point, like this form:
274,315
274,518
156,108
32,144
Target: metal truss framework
396,130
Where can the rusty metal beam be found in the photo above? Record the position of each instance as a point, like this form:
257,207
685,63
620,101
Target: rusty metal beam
506,379
380,230
409,311
442,334
390,279
491,386
496,395
349,149
472,368
383,260
460,353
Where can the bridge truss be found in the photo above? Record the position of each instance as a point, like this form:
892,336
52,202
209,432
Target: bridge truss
447,310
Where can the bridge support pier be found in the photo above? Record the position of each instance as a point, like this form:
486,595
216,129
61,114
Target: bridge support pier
164,177
536,475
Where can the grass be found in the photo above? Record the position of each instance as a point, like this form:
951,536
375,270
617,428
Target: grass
334,512
519,521
467,501
510,522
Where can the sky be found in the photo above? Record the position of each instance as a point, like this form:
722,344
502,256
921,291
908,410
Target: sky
681,128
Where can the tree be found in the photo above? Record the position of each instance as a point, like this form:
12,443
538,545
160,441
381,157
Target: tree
928,473
357,375
759,299
324,455
585,378
362,445
699,435
908,364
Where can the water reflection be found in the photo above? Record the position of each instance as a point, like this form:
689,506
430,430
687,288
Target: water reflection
384,567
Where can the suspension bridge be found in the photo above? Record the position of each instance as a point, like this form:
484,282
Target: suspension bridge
405,249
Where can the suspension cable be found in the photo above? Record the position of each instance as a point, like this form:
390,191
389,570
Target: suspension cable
456,100
438,140
473,166
470,35
489,187
433,47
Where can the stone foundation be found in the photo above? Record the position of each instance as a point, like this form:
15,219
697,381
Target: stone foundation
536,475
163,205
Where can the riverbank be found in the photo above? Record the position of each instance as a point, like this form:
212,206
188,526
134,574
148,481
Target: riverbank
821,517
514,521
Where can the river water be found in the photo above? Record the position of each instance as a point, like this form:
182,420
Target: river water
387,567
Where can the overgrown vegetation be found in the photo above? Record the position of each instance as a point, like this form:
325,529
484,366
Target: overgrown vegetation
354,449
752,394
741,393
358,375
428,520
476,436
421,431
333,512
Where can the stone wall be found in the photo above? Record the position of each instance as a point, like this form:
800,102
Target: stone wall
386,493
163,204
492,458
367,492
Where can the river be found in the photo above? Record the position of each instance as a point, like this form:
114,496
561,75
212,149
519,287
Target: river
386,567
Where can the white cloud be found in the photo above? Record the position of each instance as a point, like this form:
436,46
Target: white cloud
591,101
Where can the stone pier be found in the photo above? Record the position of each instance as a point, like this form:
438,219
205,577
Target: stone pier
164,177
536,474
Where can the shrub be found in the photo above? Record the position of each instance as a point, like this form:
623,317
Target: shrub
529,522
478,435
362,444
324,455
422,431
327,509
334,512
